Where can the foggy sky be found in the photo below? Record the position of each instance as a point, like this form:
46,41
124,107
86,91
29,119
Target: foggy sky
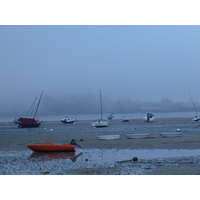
137,62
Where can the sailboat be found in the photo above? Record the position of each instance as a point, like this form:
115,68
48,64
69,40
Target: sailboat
100,123
124,119
24,122
196,118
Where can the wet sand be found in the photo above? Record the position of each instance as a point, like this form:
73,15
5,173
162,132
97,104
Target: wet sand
13,138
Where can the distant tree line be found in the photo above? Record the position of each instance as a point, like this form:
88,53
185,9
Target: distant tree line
88,104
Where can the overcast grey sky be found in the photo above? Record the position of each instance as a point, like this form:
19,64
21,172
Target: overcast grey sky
138,62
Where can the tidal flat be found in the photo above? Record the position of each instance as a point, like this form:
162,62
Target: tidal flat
156,155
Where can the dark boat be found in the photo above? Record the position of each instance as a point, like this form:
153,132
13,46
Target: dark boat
24,122
28,122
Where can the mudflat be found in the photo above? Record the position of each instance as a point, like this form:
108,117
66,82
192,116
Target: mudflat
13,138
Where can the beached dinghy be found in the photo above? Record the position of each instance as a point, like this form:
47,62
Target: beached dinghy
171,134
49,147
108,137
137,136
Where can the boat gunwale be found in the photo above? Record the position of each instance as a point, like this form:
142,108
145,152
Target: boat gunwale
50,147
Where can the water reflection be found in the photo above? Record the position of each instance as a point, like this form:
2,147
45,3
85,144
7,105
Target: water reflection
49,156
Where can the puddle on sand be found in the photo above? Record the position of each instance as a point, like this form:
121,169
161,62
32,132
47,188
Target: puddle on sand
28,162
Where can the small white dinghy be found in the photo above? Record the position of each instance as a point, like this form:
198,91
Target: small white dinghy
137,136
171,134
108,137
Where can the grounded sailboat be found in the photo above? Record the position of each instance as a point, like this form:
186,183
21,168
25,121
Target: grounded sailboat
196,118
100,123
24,122
124,119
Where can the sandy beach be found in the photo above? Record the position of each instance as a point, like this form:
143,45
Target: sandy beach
16,139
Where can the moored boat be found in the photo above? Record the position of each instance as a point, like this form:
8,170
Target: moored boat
25,122
108,137
68,120
111,116
125,119
170,134
100,123
50,147
196,118
137,136
149,117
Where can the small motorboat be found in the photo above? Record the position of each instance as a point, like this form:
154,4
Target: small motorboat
68,120
108,137
111,116
137,136
149,117
171,134
49,147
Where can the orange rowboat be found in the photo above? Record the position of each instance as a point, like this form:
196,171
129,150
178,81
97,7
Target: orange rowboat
49,147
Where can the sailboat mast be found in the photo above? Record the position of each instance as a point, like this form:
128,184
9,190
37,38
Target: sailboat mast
101,104
31,106
38,104
193,104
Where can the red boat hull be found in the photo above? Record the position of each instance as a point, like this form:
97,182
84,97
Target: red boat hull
28,123
49,147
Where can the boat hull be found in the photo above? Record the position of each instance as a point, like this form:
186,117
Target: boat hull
170,135
137,136
196,119
100,124
68,121
108,137
49,147
125,120
28,123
